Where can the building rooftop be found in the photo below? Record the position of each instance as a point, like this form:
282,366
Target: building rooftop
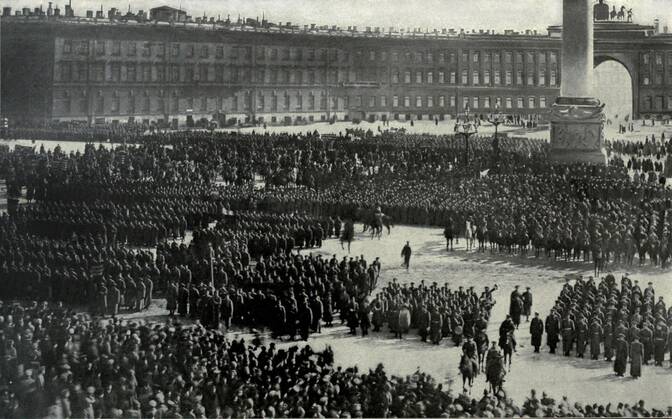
115,18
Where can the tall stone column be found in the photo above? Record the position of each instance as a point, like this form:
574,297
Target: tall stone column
577,118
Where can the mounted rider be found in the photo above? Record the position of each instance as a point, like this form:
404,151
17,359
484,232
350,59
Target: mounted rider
507,329
378,216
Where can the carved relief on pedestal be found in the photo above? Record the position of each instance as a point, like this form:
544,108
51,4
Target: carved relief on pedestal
577,126
576,136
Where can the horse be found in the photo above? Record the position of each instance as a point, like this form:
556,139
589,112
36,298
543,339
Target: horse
621,13
482,342
481,235
347,234
449,234
507,347
495,372
376,224
467,371
469,236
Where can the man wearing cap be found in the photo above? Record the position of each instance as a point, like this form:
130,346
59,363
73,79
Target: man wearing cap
423,321
622,353
507,328
636,357
406,254
537,332
568,330
516,309
527,303
596,334
552,327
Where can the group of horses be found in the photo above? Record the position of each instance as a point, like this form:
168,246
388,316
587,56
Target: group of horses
374,222
493,363
560,244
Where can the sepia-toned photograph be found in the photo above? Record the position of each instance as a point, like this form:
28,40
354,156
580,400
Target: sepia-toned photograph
318,209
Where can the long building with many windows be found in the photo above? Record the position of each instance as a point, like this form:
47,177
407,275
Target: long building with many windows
99,69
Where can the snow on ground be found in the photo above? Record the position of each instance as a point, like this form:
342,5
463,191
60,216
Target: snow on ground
582,380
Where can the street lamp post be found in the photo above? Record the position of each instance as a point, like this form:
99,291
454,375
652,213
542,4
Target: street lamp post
466,129
496,120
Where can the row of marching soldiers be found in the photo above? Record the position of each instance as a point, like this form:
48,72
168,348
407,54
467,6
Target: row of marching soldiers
603,320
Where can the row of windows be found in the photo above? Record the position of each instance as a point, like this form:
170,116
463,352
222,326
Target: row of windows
147,72
145,103
201,50
430,57
657,58
204,50
657,103
477,78
157,104
475,102
657,79
287,102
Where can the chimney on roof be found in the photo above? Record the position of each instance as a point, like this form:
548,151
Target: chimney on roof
665,29
6,11
68,10
89,14
57,12
656,26
50,10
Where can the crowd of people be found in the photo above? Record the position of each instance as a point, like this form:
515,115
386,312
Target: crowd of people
436,312
571,212
604,321
179,215
59,364
649,159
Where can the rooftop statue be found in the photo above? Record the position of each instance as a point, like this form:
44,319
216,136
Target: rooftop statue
601,11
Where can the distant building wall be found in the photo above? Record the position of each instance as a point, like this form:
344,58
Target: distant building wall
93,71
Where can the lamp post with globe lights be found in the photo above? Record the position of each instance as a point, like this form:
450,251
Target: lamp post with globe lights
466,128
496,120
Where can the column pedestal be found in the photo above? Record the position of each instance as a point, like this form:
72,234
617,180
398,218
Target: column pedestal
577,131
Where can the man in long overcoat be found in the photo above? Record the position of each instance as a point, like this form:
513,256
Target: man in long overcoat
537,332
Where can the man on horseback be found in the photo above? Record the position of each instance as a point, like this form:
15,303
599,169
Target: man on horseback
507,340
470,349
494,368
507,330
